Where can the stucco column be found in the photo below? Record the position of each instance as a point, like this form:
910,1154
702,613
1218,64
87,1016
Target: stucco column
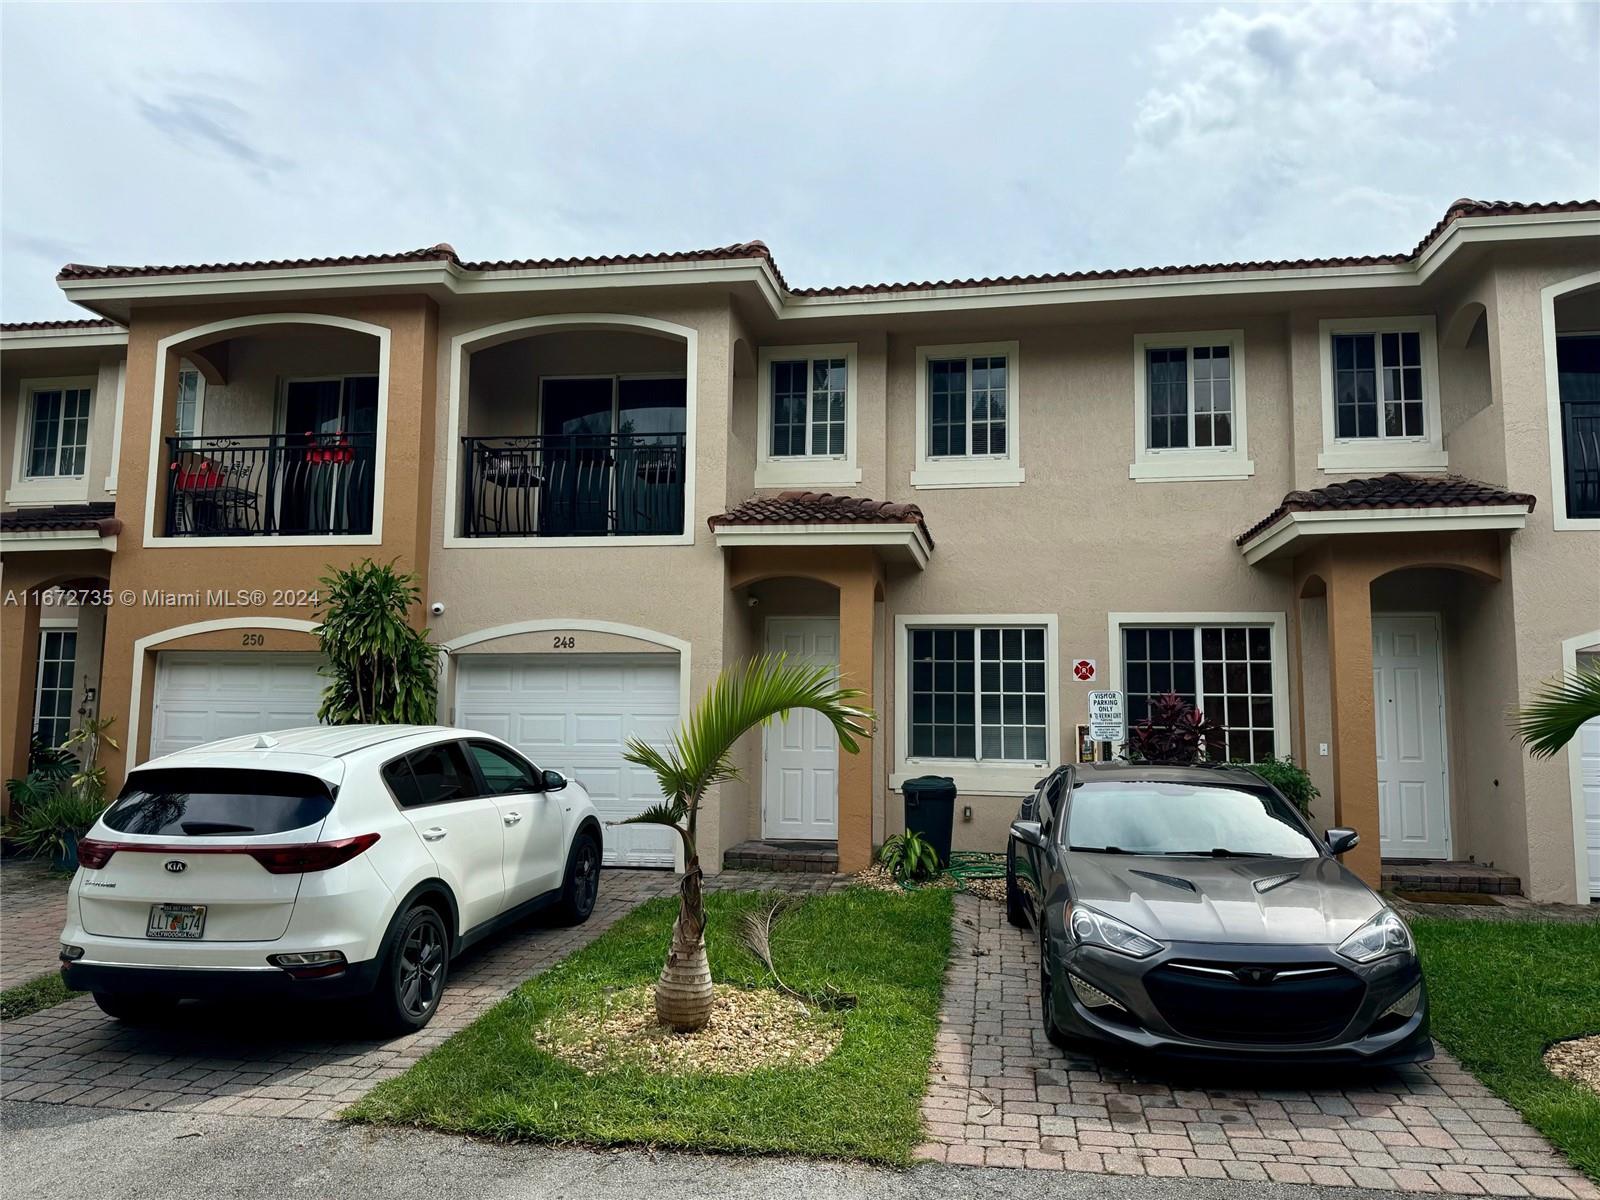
857,593
1355,740
19,645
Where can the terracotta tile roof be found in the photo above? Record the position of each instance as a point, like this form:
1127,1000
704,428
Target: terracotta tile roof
820,508
99,516
1389,491
443,252
35,326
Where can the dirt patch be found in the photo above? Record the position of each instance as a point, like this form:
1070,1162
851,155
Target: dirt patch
1576,1060
749,1030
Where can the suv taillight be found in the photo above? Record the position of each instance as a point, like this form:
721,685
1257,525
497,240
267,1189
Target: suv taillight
93,854
311,856
296,859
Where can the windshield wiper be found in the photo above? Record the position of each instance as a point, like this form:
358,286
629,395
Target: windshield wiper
1099,849
1221,852
201,828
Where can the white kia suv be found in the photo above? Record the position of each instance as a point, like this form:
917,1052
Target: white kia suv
345,861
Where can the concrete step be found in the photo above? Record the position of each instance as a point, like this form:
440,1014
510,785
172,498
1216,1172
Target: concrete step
815,858
1434,876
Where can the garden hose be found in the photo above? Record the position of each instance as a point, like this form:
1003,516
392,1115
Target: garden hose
965,865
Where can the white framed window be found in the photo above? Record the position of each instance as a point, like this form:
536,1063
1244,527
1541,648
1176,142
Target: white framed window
1229,665
968,416
1190,420
1380,395
51,459
806,416
55,691
191,402
978,699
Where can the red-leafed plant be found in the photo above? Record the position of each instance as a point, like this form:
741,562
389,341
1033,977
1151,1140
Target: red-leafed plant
1175,734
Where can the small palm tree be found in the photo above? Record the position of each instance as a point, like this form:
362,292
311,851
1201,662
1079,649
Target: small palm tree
381,670
1558,711
698,759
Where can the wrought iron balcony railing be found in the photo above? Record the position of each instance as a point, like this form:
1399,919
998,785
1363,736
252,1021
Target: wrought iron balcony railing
270,485
1580,434
578,485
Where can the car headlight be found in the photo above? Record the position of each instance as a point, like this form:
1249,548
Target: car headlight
1383,935
1092,928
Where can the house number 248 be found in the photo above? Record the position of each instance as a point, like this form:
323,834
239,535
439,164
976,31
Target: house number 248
564,642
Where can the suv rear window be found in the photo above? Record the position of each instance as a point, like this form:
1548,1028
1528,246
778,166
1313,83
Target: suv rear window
218,802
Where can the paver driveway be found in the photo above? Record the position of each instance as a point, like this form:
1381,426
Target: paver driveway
1002,1095
300,1060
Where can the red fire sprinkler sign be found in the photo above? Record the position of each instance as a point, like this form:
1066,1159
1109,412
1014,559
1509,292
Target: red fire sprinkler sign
1083,670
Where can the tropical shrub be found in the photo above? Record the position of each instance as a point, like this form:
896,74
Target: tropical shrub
53,812
381,669
1175,734
1290,778
699,757
909,857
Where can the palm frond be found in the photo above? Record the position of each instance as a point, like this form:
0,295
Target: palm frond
700,754
1553,717
667,813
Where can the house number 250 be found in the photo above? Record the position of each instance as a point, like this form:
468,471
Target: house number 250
254,639
564,642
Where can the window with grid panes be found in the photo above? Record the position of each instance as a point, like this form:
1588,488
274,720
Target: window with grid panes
58,432
58,652
967,406
1377,385
1224,670
1189,390
808,407
978,693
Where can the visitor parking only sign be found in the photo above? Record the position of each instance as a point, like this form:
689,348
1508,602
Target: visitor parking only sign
1108,717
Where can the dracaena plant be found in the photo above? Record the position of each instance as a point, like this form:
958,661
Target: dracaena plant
699,757
381,669
1175,734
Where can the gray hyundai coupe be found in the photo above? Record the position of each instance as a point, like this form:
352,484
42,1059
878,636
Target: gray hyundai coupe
1192,912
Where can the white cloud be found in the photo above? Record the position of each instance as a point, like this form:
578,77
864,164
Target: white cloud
862,142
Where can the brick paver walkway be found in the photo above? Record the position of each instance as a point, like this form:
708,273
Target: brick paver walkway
31,916
1002,1095
300,1060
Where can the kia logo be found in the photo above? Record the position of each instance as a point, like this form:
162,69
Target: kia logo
177,865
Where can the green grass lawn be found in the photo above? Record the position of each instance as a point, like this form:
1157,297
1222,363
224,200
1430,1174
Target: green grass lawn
46,991
889,950
1501,993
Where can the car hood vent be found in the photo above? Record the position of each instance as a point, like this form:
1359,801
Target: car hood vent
1169,880
1274,881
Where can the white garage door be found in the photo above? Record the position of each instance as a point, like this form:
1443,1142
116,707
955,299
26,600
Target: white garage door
201,697
574,715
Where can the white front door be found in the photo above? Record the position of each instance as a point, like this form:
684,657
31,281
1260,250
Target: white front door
800,775
1589,768
202,696
1408,696
574,714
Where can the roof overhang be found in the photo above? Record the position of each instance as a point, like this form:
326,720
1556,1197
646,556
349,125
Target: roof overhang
901,543
1296,532
17,541
61,339
115,296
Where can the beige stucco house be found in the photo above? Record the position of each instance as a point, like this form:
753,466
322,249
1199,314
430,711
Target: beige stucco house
1350,506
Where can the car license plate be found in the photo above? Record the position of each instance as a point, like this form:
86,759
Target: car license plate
176,921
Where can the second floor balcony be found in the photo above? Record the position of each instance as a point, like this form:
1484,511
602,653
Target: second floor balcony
573,485
266,485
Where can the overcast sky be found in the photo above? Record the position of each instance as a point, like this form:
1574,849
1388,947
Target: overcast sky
861,143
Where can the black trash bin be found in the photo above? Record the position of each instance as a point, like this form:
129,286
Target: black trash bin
931,811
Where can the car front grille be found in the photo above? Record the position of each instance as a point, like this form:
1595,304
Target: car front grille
1272,1003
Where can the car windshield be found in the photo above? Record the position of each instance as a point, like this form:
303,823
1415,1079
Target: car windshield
218,802
1135,817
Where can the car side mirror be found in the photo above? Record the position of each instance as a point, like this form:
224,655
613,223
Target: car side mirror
1341,841
1030,832
554,781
